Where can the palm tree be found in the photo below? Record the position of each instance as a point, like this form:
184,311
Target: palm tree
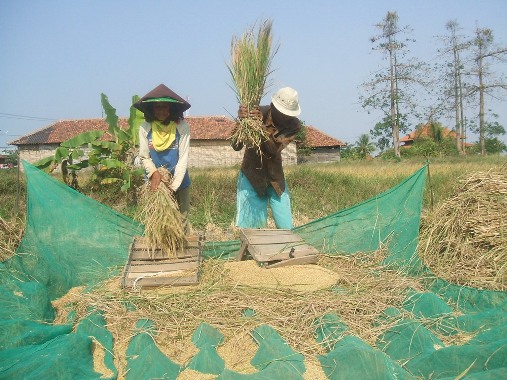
364,146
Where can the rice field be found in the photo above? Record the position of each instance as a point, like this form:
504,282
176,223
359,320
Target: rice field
316,190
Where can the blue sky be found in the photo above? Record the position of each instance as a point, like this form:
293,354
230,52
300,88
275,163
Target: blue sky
57,57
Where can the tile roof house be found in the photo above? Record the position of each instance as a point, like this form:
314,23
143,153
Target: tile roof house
324,148
209,141
424,131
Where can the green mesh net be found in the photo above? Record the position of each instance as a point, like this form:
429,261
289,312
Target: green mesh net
70,240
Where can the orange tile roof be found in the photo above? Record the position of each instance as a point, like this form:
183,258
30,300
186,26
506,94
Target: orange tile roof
210,127
318,139
424,131
201,128
63,130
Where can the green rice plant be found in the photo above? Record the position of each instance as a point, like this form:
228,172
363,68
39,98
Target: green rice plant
251,57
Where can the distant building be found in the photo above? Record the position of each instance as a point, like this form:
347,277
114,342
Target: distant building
324,148
426,131
209,146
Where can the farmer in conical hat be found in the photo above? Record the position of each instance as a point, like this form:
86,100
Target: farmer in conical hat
164,141
261,180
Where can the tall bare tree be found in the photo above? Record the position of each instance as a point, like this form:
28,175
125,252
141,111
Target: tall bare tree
456,46
389,89
485,51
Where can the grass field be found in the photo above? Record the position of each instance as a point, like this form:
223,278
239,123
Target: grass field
316,189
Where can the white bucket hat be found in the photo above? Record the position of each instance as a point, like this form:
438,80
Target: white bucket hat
286,101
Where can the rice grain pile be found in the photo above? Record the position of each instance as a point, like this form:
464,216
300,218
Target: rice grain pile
163,222
465,239
356,289
251,57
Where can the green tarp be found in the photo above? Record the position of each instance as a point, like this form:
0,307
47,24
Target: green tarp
71,240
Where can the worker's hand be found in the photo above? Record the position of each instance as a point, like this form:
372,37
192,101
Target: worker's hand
254,113
155,180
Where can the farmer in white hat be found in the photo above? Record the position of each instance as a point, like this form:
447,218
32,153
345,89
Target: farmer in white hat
261,181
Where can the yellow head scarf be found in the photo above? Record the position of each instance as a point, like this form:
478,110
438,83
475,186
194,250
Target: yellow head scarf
162,135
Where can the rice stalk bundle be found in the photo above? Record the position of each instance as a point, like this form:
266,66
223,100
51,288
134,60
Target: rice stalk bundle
465,239
251,58
163,223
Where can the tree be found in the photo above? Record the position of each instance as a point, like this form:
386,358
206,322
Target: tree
492,143
455,47
390,89
382,132
364,146
11,157
487,84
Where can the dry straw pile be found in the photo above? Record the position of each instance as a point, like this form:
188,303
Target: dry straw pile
11,233
163,222
251,58
465,240
290,299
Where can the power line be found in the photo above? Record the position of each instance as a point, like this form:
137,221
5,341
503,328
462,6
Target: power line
23,117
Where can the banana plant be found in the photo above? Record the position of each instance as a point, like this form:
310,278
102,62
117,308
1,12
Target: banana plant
69,155
112,161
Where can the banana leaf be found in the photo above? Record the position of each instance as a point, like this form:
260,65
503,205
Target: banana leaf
47,165
80,165
106,145
81,139
135,120
112,120
61,153
111,163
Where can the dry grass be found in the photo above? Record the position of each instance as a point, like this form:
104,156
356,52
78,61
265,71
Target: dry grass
357,289
11,232
250,132
251,58
163,223
465,239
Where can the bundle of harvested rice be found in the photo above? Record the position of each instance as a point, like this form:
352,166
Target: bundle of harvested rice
163,222
251,58
465,240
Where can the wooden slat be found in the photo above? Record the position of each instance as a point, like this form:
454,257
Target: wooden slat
282,247
127,265
273,239
296,261
148,255
242,251
247,233
141,249
163,267
140,241
283,255
160,281
165,261
274,246
144,269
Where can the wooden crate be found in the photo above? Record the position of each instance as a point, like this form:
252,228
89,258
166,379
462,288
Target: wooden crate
276,248
152,268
